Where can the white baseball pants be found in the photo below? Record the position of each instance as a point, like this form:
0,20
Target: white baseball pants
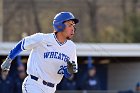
31,86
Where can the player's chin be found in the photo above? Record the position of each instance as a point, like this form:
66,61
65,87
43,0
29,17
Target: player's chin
69,38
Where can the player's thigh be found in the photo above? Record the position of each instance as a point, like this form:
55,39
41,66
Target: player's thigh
31,89
30,86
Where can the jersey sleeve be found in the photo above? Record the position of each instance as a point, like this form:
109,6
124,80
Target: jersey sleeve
32,41
74,57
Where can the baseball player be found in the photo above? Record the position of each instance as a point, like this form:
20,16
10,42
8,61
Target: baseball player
52,56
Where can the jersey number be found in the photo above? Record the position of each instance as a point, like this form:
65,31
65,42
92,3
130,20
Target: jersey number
61,70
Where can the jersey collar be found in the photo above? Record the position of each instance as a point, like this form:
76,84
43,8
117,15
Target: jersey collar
58,41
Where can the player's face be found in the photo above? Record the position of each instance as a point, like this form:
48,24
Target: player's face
69,29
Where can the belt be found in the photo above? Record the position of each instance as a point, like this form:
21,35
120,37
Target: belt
44,82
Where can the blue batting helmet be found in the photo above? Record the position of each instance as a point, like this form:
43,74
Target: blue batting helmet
60,18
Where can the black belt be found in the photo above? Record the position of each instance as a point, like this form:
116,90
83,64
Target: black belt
44,82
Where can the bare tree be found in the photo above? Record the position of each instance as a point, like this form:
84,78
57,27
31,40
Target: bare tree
134,13
123,6
92,10
35,13
134,6
124,16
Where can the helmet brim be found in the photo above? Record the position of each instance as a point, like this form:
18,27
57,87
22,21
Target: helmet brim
75,20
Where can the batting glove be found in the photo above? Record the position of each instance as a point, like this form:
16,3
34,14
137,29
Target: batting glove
71,66
6,64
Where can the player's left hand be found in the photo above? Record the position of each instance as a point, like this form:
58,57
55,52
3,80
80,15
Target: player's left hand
71,66
6,64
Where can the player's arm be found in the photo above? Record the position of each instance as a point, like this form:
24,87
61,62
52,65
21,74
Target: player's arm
67,74
13,53
72,66
27,43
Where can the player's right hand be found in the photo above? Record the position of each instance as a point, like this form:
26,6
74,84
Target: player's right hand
6,64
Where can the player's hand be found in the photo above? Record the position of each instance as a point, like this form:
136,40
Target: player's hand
71,66
6,64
